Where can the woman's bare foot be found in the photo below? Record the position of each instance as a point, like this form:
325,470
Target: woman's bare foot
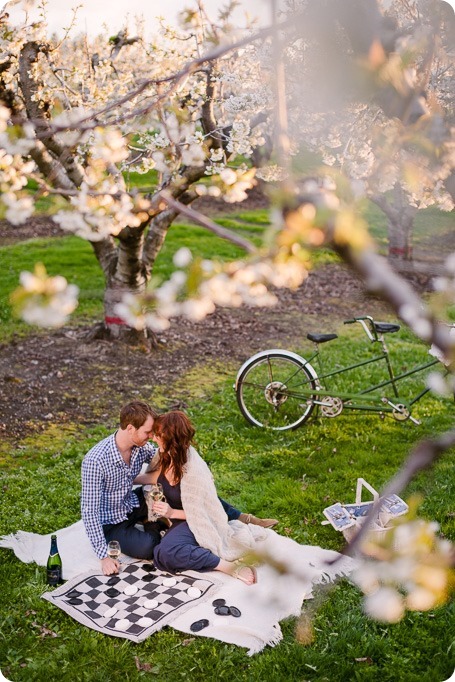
247,574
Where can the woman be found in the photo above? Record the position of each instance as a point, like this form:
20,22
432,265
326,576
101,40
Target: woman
201,538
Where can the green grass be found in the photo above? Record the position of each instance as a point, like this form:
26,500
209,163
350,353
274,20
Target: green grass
73,258
291,476
430,224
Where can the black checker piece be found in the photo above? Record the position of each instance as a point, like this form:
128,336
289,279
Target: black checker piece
199,625
222,611
148,568
114,580
74,594
111,592
148,578
234,611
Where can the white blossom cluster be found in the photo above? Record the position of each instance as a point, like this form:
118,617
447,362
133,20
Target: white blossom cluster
13,170
43,300
271,173
232,285
175,143
230,184
240,142
216,163
408,569
101,207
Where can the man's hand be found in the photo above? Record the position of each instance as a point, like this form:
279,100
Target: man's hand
109,566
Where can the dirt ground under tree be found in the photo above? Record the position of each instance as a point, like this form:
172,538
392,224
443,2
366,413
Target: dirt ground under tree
60,376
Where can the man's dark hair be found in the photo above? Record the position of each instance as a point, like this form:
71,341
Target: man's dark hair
135,413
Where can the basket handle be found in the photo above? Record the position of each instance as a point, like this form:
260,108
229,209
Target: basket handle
361,483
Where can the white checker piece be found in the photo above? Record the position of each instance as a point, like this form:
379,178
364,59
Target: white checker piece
135,604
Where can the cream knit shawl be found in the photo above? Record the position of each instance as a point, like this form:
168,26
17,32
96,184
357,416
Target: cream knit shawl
206,517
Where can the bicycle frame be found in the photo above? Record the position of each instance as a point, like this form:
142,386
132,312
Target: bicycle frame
280,389
392,381
363,401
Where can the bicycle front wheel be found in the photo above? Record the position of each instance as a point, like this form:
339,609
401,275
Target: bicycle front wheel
269,389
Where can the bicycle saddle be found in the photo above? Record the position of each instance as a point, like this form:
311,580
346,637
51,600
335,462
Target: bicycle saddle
384,327
321,338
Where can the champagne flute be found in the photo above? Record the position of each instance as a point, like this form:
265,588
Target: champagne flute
154,493
113,549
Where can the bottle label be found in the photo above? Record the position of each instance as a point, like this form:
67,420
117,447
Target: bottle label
54,576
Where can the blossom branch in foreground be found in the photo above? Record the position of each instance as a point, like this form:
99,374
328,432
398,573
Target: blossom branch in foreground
424,456
208,224
43,300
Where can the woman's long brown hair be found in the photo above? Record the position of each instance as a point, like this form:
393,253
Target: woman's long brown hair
177,432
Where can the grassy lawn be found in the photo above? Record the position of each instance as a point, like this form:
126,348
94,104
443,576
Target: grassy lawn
73,257
291,476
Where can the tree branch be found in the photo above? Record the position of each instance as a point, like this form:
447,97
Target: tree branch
423,456
28,56
208,120
380,277
202,220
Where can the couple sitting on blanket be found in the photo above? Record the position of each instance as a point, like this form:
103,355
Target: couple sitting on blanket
205,533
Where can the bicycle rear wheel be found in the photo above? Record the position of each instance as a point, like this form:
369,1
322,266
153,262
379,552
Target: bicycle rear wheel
269,390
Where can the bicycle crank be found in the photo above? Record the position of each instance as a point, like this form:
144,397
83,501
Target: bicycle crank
274,393
331,407
400,412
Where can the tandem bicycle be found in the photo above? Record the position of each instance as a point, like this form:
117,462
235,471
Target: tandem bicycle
279,389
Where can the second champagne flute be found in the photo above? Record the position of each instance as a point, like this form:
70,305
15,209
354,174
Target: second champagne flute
113,550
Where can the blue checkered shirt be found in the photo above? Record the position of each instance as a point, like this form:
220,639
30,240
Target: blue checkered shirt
107,488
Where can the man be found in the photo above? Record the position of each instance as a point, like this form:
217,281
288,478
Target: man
110,507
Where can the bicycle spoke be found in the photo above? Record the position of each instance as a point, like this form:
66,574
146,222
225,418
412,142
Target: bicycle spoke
268,392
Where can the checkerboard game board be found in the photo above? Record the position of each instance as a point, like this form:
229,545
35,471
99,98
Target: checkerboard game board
100,602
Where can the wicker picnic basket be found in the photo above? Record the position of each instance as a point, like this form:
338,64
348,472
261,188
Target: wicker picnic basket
381,523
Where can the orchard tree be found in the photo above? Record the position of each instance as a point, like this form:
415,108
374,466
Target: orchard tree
382,152
80,116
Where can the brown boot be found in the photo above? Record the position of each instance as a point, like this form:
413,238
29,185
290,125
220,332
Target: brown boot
264,523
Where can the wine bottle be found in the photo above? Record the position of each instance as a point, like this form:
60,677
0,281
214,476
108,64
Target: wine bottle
54,564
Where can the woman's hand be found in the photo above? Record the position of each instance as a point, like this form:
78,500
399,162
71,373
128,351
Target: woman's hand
163,509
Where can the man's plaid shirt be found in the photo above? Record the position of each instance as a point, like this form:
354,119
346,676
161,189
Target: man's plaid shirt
107,488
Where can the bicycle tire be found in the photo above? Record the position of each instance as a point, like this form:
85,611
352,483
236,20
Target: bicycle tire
267,390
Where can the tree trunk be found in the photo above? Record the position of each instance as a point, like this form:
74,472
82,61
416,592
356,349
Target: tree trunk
400,222
117,327
400,236
125,273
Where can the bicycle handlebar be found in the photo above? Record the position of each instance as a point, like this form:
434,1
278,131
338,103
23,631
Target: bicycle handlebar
358,319
371,331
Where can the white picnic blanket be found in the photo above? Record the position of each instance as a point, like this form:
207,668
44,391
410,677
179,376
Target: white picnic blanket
275,596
